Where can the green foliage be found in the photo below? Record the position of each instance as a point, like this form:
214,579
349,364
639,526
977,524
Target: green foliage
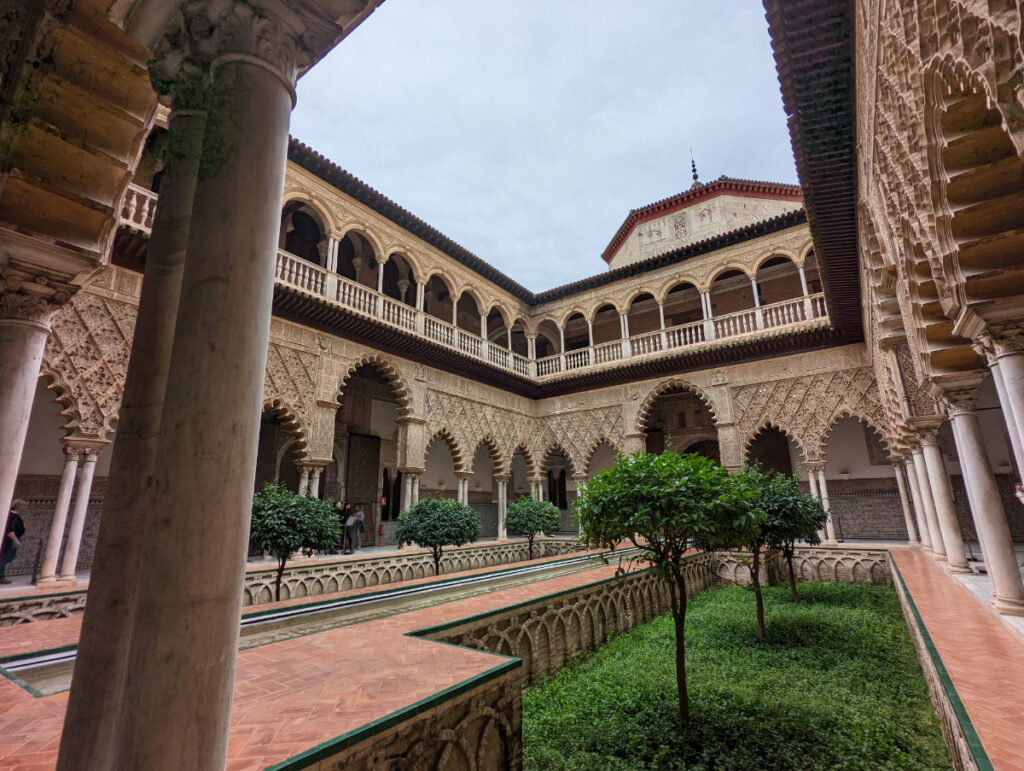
528,516
664,505
284,522
790,514
836,685
434,523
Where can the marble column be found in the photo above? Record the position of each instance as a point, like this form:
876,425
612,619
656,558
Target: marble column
415,489
986,503
942,497
90,733
184,636
462,478
908,512
1003,349
502,505
915,494
314,482
406,501
77,526
48,570
823,496
303,480
938,547
25,316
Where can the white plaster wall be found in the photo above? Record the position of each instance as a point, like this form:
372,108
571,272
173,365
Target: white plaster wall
603,458
43,451
848,453
702,220
483,472
439,470
518,484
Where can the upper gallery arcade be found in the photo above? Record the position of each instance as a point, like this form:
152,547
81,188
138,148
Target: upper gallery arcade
863,332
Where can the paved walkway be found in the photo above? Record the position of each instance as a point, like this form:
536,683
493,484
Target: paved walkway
984,658
294,694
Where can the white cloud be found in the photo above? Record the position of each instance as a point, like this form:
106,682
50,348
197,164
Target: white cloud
527,130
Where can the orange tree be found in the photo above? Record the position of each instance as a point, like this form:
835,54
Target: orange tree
528,516
284,522
434,523
666,505
784,516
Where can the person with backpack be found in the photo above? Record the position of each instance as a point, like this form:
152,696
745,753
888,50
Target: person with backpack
14,529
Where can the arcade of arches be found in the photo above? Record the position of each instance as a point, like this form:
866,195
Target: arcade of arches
865,331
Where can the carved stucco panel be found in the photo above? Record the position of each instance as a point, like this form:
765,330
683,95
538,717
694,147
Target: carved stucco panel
807,407
87,357
290,383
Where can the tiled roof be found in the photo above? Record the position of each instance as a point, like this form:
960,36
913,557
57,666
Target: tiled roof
813,44
317,164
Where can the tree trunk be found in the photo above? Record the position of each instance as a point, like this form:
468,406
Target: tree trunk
529,541
755,577
437,562
277,579
677,593
792,576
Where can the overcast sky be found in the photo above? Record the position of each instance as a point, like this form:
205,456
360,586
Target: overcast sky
526,131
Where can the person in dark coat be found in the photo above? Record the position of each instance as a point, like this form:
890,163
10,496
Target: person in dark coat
14,529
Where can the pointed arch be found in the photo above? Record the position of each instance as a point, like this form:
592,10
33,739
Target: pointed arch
823,440
667,385
497,461
55,381
389,371
601,440
290,422
529,458
448,438
768,425
557,447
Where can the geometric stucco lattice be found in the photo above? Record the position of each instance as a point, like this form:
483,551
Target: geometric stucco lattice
86,359
807,407
471,422
290,383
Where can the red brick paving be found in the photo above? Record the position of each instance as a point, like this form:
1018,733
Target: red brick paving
292,695
295,694
985,660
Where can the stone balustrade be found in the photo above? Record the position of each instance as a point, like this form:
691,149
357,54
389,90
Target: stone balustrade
298,274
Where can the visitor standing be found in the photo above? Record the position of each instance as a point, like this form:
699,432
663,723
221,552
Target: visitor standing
14,529
360,518
350,527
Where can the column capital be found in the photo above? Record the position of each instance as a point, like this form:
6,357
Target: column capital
814,465
926,428
411,470
32,302
463,474
960,401
502,478
284,37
